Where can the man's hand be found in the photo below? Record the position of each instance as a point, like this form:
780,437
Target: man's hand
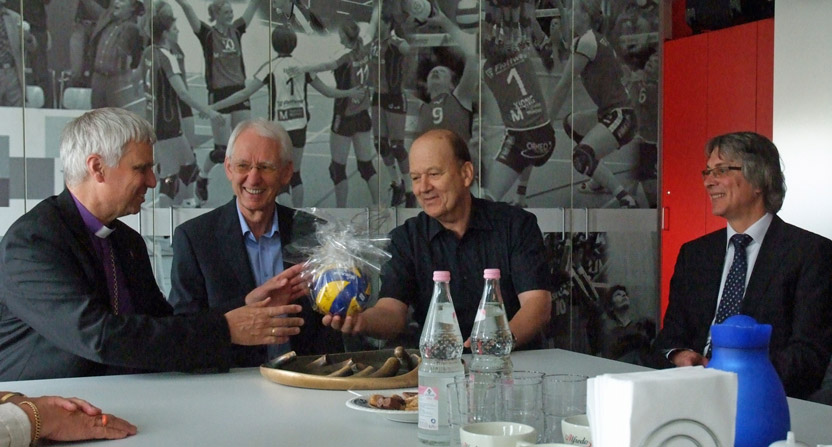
261,324
283,289
685,357
347,325
73,419
386,319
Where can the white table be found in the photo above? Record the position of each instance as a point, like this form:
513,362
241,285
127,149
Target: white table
241,408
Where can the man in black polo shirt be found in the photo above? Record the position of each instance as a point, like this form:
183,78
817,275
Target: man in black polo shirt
461,234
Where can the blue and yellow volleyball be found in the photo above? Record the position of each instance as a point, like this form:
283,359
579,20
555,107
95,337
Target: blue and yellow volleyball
341,291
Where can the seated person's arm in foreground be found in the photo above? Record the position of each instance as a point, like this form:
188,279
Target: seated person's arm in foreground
531,278
189,295
673,345
385,320
60,419
535,312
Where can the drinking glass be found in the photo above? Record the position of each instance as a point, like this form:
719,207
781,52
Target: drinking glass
563,395
523,399
471,401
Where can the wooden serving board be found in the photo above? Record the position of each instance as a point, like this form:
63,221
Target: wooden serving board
362,370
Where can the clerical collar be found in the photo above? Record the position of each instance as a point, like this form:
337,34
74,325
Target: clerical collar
90,221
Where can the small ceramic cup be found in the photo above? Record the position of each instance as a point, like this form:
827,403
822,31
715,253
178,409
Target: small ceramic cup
496,434
576,430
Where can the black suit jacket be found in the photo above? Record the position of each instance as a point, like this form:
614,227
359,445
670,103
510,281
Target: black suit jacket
790,288
211,269
55,317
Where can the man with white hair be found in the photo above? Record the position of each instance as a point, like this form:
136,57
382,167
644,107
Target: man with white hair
220,256
77,293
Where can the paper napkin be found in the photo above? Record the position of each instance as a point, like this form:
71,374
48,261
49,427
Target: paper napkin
665,407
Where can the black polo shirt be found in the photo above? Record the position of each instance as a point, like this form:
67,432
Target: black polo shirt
498,236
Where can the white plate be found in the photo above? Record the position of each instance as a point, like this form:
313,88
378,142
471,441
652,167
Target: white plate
361,403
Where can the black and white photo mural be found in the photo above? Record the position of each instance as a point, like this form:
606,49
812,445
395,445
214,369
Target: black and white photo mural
557,99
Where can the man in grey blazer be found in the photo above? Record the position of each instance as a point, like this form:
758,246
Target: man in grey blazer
788,276
223,256
77,294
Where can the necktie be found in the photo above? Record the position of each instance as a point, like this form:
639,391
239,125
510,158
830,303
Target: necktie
735,283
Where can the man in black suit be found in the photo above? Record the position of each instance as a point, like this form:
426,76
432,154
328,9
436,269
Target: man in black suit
77,294
221,256
788,278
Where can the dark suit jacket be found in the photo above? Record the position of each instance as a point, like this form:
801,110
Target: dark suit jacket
790,288
55,318
211,269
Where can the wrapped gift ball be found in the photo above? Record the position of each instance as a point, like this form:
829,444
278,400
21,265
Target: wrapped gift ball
341,291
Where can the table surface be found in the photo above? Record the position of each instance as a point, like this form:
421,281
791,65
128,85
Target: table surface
243,408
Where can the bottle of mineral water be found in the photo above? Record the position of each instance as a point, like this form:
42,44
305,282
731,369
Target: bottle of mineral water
491,339
441,348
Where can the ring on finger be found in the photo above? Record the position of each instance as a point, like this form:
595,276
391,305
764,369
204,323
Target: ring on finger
273,331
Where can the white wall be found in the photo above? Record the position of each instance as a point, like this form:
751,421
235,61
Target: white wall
803,110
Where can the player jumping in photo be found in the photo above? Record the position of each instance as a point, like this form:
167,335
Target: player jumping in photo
530,139
613,124
449,96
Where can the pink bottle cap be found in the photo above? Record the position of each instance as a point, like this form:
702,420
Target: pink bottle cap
491,274
442,275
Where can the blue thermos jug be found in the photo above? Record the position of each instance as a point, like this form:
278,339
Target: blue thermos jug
740,345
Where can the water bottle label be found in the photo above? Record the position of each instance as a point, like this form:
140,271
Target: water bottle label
428,408
480,315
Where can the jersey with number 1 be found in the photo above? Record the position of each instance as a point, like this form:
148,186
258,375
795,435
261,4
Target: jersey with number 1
287,93
514,84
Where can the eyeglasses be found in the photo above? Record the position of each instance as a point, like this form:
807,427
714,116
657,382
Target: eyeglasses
244,167
719,171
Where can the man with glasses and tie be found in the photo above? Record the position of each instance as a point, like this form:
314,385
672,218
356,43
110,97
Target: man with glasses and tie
759,266
220,257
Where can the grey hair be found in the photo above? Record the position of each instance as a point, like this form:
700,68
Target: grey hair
761,163
105,132
266,129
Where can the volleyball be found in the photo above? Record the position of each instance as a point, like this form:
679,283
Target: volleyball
468,15
420,10
341,291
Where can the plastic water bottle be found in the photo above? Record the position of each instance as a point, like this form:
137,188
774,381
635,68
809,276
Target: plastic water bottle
441,348
491,339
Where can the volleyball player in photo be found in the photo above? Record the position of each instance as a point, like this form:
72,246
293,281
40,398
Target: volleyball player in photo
288,98
351,123
225,71
165,91
510,74
602,132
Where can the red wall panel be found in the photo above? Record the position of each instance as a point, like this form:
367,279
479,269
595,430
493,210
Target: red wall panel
684,110
765,77
713,83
